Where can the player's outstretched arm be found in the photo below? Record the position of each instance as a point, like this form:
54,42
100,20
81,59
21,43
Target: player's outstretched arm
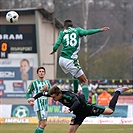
104,29
31,101
52,52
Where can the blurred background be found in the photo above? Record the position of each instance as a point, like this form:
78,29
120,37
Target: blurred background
103,56
106,58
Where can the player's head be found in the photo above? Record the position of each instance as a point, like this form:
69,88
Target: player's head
40,68
55,92
41,72
68,23
93,91
24,66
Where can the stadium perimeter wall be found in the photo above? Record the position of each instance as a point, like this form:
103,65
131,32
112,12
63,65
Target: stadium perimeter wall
25,114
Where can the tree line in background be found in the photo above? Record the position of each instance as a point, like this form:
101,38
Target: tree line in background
107,55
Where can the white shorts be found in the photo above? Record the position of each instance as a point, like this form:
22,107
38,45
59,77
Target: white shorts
71,66
42,114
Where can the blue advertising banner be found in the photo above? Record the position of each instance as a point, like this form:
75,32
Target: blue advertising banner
120,111
14,73
27,111
58,111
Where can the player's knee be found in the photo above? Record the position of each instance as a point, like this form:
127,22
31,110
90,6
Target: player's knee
43,125
108,111
83,80
111,112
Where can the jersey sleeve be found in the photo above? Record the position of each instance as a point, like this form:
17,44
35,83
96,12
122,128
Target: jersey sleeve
44,93
75,102
49,85
29,90
83,32
58,42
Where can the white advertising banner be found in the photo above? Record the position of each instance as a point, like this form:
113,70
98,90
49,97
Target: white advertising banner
5,110
104,120
66,120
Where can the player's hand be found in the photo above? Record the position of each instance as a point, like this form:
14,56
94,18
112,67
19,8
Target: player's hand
104,29
45,88
66,111
52,52
31,101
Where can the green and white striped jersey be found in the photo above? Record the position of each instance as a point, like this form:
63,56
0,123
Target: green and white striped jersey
33,89
70,39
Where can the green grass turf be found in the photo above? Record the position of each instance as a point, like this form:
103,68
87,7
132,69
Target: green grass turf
63,128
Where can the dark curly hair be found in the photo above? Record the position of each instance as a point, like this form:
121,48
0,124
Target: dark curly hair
40,68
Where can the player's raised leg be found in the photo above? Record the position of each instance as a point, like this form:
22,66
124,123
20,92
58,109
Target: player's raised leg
114,100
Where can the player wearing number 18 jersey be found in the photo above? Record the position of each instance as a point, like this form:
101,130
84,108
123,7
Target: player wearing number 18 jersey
70,38
41,104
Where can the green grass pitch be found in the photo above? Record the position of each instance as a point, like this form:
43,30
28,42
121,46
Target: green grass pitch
63,128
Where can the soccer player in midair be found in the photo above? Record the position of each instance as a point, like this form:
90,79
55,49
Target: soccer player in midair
70,38
41,104
77,103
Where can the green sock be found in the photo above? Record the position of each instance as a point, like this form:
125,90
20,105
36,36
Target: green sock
36,130
39,130
75,84
85,91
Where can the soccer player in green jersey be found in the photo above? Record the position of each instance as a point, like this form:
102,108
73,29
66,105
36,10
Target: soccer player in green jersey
41,104
77,103
70,38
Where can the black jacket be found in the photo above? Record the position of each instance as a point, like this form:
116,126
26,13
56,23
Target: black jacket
69,99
